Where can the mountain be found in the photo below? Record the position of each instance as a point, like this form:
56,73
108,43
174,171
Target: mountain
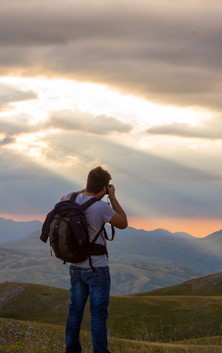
12,230
166,248
139,260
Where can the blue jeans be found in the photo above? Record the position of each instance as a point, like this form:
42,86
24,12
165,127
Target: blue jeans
96,285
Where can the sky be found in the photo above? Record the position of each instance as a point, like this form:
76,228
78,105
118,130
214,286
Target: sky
132,86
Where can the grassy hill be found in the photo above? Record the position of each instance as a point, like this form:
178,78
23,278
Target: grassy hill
147,317
39,303
32,319
210,285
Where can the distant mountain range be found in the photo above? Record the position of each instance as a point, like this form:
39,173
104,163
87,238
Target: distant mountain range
12,230
139,260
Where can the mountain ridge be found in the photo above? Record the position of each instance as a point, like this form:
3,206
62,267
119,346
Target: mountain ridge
14,230
140,260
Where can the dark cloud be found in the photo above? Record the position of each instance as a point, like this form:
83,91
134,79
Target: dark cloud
28,188
7,140
79,121
165,50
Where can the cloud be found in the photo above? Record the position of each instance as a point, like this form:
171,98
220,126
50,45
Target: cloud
147,185
14,125
28,188
209,130
7,140
79,121
165,50
11,94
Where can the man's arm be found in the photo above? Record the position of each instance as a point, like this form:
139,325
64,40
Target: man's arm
119,220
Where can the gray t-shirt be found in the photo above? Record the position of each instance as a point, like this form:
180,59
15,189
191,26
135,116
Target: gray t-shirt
98,213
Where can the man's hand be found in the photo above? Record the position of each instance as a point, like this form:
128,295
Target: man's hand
111,190
119,220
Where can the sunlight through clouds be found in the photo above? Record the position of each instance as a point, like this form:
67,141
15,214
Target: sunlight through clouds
64,125
59,94
30,145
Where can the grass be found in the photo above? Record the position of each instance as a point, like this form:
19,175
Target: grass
137,324
210,285
160,318
165,319
18,336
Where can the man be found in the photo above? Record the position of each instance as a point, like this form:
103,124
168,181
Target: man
95,282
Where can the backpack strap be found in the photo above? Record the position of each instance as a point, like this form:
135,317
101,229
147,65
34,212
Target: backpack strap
86,204
98,234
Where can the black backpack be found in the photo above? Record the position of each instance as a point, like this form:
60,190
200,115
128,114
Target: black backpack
67,229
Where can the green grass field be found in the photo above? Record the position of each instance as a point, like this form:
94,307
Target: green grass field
33,320
18,336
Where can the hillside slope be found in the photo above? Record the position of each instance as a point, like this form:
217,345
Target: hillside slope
148,318
210,285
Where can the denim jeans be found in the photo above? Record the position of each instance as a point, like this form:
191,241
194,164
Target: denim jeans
96,285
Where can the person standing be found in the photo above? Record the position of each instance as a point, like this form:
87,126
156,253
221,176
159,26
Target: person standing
93,282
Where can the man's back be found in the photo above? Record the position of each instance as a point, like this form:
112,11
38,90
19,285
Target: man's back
97,214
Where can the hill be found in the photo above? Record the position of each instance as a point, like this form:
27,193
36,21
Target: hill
204,286
142,318
33,302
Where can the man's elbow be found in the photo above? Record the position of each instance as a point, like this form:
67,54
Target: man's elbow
124,225
119,222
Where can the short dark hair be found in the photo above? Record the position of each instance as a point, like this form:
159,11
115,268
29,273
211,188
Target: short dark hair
97,179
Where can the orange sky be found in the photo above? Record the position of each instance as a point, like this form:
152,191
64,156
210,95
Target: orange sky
195,227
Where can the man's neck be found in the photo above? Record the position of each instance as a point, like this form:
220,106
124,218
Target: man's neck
99,195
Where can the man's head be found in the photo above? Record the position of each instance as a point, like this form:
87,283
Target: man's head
98,180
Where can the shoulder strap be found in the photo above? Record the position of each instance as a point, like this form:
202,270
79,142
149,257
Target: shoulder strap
73,196
86,204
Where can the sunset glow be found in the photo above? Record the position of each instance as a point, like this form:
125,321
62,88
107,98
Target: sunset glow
196,227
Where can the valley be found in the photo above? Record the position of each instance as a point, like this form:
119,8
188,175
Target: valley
139,260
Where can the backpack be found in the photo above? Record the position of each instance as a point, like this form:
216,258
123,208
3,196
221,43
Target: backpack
67,230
